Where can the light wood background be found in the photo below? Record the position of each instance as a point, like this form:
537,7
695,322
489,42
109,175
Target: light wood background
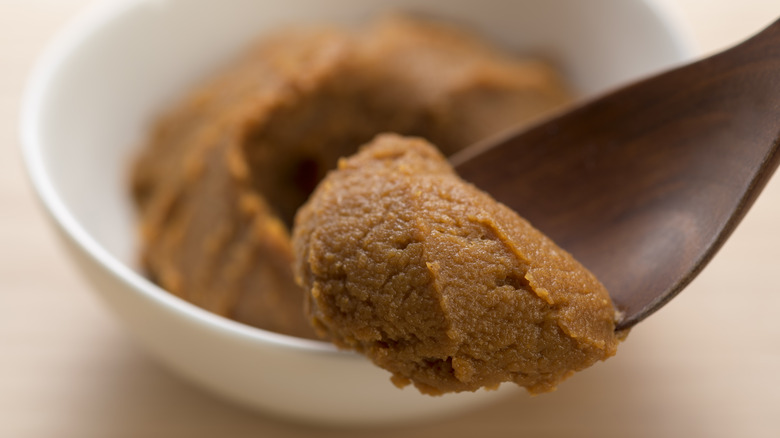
707,365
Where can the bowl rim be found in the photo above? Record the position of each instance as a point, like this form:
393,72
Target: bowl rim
97,16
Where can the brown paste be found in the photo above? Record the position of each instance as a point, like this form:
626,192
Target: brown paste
440,284
219,181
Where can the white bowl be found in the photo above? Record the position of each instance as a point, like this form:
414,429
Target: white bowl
103,80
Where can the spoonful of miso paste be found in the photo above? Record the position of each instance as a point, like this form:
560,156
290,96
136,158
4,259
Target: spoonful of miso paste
532,256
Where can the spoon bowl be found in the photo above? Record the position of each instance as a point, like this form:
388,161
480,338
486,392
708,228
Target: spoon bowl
645,184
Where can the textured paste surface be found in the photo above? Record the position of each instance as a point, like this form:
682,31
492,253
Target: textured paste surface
438,283
223,173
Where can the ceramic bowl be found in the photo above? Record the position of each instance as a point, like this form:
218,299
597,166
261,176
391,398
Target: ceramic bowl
103,80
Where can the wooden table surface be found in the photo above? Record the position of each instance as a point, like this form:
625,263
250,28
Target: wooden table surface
707,365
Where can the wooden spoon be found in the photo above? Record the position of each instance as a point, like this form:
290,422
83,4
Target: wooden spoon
645,184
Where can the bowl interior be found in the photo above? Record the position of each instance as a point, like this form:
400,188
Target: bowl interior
101,84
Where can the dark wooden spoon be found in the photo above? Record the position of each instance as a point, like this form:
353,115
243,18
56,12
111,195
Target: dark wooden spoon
645,184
